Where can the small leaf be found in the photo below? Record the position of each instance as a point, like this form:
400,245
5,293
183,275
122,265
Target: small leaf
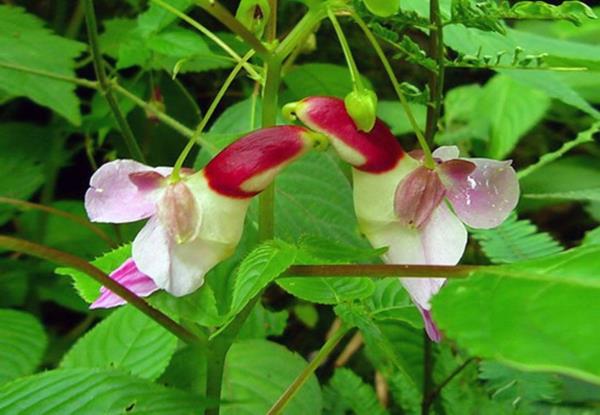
346,391
23,342
126,340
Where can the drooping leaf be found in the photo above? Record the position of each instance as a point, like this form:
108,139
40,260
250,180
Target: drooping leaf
24,41
524,313
126,340
93,391
515,240
257,372
22,344
346,391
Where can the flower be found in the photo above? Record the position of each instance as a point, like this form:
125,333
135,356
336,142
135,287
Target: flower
195,221
401,204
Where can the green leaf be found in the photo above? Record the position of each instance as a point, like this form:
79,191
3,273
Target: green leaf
262,323
395,117
390,301
517,387
307,313
506,110
156,18
86,286
515,240
320,79
127,340
14,281
257,372
258,269
22,344
347,391
536,315
325,290
92,391
592,194
24,41
592,237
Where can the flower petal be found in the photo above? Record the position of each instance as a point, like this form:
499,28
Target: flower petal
112,196
179,212
446,153
417,196
151,252
129,276
484,198
430,327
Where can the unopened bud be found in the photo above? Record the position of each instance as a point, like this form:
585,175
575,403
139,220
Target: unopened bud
362,108
383,8
254,15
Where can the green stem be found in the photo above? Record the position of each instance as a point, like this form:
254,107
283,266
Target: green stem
24,205
436,82
65,259
266,225
70,79
383,271
195,24
215,9
105,85
428,161
272,24
354,73
293,389
211,109
306,25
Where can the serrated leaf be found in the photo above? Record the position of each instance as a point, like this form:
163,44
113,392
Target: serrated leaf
537,315
347,391
258,269
257,372
24,41
325,290
93,391
126,340
390,301
262,323
515,240
87,287
22,344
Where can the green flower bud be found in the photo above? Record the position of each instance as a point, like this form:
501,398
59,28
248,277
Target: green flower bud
383,8
254,15
362,108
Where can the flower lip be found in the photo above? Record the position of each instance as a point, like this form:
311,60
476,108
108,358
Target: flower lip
377,151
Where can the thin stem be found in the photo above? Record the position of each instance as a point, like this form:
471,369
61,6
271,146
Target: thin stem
171,122
354,73
427,373
194,23
65,259
272,23
266,202
211,109
215,9
70,79
436,391
105,85
382,271
306,25
428,160
293,389
436,81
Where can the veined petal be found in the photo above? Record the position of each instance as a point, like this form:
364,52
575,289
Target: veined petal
179,213
132,278
485,197
417,196
151,252
113,197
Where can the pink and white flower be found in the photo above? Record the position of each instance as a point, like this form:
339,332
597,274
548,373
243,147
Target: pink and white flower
196,220
417,212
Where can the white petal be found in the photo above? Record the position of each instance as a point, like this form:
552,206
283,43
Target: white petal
445,153
151,252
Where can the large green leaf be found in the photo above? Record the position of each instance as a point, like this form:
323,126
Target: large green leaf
93,391
22,344
319,79
24,41
257,372
538,315
395,117
126,340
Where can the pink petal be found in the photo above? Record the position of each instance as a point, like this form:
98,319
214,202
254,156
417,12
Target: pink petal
146,181
151,252
441,241
129,276
456,169
446,153
430,327
484,198
417,196
112,197
178,212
